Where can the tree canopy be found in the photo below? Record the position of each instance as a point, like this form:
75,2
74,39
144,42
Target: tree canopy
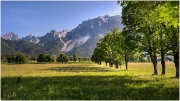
151,28
155,28
46,58
63,58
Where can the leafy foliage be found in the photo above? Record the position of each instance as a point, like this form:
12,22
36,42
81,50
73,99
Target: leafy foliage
63,58
18,58
46,58
152,24
109,49
75,57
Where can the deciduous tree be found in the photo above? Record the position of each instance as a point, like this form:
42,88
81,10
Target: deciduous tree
75,57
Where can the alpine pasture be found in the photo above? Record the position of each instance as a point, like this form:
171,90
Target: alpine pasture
87,81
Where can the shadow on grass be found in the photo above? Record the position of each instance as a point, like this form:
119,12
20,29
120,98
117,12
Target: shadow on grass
79,69
85,88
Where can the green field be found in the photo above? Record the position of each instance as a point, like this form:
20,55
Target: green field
87,81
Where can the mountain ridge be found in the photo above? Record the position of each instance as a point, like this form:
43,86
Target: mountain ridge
82,38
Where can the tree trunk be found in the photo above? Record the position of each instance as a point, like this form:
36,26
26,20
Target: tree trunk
155,69
117,65
126,62
175,50
176,62
110,64
163,62
126,65
153,58
154,61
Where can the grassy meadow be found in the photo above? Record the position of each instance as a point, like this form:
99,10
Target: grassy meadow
87,81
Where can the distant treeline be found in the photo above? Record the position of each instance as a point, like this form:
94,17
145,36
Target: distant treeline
20,58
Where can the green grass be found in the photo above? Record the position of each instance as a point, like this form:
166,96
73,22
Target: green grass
87,81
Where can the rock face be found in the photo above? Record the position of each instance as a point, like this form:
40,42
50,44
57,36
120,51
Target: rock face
101,25
63,33
10,36
85,36
81,40
31,38
53,35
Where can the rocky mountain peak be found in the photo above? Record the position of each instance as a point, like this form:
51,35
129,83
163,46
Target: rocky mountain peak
31,38
64,32
81,40
53,34
105,16
91,31
10,36
97,26
53,31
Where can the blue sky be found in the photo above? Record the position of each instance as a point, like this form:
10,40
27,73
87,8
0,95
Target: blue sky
40,17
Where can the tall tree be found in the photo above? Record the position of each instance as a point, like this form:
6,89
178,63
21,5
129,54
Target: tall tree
75,57
134,18
66,59
11,58
42,58
151,20
63,58
169,16
20,58
50,58
109,49
128,46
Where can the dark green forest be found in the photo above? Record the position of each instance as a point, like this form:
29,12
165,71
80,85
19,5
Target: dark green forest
19,46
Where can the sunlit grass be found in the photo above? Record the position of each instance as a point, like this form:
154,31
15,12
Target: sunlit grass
87,81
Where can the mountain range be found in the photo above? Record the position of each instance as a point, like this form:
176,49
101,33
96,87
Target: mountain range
81,40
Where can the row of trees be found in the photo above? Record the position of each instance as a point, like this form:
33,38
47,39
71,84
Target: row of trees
111,49
21,58
18,58
156,24
63,58
151,28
